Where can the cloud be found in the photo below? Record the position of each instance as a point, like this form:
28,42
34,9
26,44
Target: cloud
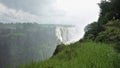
11,15
49,11
8,15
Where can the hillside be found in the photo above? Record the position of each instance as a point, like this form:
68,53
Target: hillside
80,55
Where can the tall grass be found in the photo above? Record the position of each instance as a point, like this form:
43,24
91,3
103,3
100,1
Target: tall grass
81,55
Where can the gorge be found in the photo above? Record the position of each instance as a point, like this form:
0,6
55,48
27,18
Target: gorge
32,42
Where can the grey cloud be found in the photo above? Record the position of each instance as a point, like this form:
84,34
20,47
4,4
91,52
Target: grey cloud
32,6
13,15
52,11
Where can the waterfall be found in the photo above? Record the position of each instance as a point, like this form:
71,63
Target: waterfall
67,35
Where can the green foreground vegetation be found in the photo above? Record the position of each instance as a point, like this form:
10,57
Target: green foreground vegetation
81,55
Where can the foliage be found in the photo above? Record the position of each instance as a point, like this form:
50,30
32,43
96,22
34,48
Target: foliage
81,55
111,33
58,49
92,30
109,10
104,30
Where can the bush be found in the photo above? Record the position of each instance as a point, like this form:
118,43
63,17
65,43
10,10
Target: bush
111,33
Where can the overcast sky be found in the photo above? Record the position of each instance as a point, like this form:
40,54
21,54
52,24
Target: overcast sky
79,12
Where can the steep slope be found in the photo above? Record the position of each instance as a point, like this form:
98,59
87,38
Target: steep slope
80,55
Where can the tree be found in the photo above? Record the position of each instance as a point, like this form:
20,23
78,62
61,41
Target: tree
92,30
111,33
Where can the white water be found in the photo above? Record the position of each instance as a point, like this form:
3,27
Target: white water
68,35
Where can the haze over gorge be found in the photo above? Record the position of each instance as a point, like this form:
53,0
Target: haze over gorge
26,42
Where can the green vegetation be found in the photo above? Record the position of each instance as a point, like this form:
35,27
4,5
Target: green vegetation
81,55
111,32
107,28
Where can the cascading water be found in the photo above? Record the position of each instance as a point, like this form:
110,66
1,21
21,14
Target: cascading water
67,35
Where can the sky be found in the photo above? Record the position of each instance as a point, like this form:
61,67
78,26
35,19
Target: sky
70,12
77,12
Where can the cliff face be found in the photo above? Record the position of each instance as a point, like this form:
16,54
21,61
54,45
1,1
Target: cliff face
58,49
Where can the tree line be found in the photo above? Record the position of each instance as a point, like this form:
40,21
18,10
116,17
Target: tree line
107,28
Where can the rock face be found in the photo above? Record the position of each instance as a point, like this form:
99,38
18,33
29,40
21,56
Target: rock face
59,48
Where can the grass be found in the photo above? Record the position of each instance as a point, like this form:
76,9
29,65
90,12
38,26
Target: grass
81,55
